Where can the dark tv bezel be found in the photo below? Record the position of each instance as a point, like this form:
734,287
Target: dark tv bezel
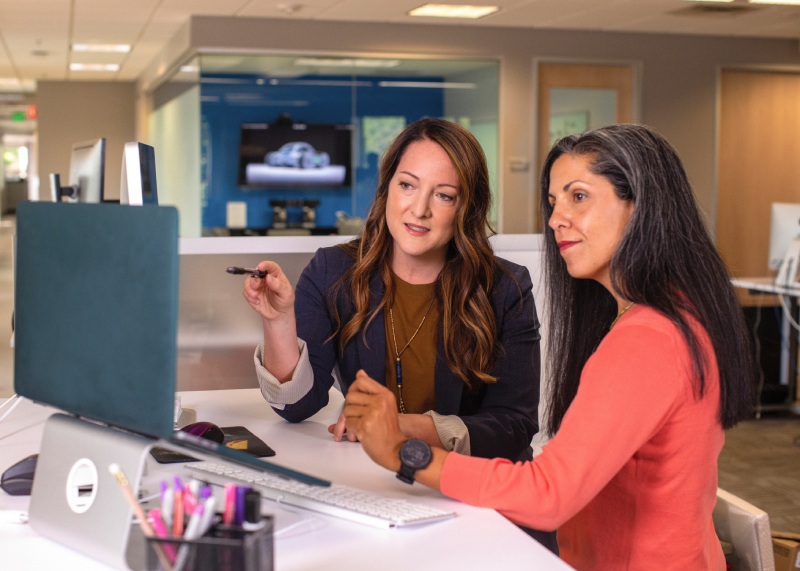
244,159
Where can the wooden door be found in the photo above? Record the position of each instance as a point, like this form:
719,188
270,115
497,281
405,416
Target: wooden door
621,79
759,162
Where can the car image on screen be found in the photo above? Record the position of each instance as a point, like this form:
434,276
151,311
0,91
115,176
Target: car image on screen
298,154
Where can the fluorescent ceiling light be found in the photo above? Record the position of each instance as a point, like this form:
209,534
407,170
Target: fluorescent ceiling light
345,62
453,11
102,48
321,82
427,84
9,82
777,2
94,67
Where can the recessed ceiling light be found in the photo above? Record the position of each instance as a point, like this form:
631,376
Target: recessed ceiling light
453,11
94,67
102,48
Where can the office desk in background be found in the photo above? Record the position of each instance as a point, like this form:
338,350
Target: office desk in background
789,335
477,538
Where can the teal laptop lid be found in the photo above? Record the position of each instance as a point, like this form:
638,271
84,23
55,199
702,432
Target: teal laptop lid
96,311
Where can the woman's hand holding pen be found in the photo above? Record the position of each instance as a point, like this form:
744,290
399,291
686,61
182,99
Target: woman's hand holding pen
371,416
271,296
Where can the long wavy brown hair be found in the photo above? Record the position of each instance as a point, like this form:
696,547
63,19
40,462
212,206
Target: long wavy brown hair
467,317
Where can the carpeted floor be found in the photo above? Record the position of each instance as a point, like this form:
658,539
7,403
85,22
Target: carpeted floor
760,463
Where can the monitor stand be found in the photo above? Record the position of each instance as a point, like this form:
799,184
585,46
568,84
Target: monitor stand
787,274
76,501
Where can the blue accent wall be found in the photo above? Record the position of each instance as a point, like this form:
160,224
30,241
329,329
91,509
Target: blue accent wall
227,101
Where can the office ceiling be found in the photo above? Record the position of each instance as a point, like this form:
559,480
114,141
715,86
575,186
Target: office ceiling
35,35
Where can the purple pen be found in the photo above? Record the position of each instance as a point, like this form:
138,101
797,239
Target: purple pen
238,513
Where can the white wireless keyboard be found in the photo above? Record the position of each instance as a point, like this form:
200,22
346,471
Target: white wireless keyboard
336,500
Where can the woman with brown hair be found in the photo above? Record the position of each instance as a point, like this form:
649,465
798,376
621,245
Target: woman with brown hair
419,301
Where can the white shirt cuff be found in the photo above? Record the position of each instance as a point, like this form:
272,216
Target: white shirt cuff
280,394
452,432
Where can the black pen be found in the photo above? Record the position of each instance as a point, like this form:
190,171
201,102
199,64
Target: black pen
256,273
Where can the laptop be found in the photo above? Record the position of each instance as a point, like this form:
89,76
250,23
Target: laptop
96,310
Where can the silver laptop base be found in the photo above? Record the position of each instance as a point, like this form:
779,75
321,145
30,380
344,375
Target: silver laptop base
76,501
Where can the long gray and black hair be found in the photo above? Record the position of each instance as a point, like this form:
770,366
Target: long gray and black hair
665,260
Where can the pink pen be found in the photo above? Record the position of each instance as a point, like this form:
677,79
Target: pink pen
230,504
154,516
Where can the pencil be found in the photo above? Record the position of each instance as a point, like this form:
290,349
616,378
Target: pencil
147,529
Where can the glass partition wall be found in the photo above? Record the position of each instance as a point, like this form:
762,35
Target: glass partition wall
289,144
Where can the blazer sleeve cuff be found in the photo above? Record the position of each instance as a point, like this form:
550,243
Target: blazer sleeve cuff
452,432
277,394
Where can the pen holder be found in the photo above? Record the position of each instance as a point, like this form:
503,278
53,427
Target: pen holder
223,548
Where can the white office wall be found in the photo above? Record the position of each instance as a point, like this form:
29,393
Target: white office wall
175,129
73,111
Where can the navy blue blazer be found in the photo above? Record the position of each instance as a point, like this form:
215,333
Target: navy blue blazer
501,418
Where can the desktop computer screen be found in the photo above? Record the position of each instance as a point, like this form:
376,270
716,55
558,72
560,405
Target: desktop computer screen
784,242
138,181
86,174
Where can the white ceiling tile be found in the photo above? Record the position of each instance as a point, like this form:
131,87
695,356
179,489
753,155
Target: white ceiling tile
38,32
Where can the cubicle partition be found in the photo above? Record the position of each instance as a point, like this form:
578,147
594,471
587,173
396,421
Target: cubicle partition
218,330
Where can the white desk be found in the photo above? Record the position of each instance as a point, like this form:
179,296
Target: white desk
789,352
476,539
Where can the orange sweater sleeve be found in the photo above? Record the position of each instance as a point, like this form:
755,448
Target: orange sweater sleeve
636,450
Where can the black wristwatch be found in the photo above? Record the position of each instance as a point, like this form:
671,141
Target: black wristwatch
415,455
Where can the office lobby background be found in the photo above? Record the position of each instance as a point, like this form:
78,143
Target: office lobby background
678,94
679,89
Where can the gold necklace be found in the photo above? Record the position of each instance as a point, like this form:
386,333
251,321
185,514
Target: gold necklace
398,367
620,314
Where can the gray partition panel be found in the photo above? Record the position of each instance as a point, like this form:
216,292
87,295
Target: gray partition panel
217,329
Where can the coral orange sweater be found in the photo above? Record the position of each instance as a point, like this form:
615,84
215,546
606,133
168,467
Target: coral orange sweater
630,478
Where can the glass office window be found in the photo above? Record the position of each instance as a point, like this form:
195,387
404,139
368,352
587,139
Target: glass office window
375,97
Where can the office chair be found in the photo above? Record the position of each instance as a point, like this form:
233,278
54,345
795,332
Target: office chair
746,527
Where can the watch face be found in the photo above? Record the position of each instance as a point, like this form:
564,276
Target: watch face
416,454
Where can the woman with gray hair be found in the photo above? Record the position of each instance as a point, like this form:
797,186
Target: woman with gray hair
649,361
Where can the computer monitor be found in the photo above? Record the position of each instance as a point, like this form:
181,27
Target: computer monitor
784,241
138,182
86,174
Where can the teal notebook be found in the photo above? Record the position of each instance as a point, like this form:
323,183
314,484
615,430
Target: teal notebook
96,311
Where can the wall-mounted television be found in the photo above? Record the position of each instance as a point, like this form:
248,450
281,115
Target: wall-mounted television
295,155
